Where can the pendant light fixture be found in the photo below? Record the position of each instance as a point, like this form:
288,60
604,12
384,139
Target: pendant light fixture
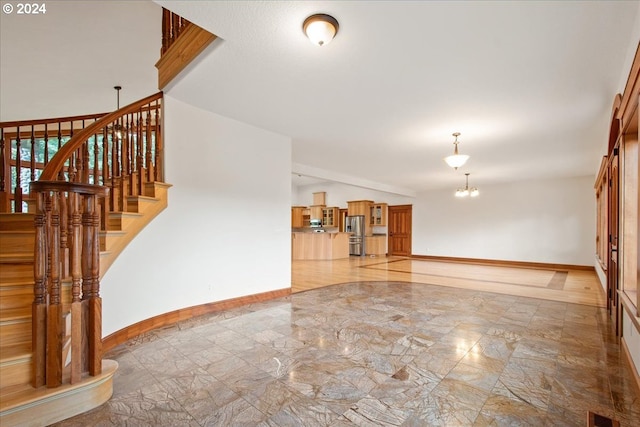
320,28
466,191
117,88
456,159
118,127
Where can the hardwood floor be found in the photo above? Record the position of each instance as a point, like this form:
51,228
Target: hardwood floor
573,286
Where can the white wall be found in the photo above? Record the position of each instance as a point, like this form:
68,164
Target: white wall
338,194
631,338
551,221
225,232
536,221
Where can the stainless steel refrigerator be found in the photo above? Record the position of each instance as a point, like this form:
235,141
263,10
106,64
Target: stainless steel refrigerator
355,225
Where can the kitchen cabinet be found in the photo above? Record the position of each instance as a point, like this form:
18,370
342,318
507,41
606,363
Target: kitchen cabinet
342,213
319,246
361,207
300,216
306,216
316,211
375,245
297,216
378,214
330,217
320,198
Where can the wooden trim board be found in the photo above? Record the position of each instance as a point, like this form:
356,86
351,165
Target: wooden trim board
504,263
45,406
172,317
191,42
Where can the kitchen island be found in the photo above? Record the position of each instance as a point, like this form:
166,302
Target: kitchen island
319,246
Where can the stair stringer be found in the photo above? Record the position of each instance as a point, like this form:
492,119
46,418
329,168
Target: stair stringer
123,227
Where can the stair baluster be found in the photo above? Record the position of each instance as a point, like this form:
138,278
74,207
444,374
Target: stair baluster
17,191
76,283
53,367
39,309
32,156
81,200
5,174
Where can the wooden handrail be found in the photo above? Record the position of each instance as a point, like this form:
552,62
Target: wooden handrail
74,187
52,170
182,42
27,123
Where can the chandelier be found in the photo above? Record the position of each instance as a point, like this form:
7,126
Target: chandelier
466,191
456,159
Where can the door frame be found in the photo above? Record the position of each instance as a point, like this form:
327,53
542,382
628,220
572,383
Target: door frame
614,199
390,236
613,259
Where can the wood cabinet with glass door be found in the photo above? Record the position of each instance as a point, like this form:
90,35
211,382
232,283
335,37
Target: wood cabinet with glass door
330,217
378,215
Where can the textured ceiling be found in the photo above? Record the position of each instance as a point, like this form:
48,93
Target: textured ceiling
66,61
528,84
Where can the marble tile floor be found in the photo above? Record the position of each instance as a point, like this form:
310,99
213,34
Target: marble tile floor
375,354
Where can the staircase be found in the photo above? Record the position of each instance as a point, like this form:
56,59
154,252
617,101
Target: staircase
20,403
74,192
103,185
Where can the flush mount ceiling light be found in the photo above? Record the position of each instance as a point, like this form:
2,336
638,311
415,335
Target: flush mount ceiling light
466,191
320,28
456,160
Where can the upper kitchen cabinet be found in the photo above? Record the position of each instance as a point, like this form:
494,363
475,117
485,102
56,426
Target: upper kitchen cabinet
359,207
298,216
330,217
378,214
316,211
320,198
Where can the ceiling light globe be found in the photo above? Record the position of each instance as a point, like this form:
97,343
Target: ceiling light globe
320,29
456,160
474,192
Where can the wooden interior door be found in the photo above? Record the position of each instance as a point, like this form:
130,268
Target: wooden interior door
399,220
614,208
